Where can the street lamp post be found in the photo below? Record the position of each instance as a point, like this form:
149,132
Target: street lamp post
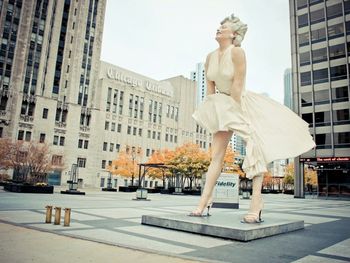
133,156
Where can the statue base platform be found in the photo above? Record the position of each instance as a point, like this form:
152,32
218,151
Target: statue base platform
225,225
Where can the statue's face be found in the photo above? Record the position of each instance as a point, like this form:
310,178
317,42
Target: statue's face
224,31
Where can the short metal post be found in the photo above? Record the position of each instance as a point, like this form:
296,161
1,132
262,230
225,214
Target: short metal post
57,215
48,214
67,216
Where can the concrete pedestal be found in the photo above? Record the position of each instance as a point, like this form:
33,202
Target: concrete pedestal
224,225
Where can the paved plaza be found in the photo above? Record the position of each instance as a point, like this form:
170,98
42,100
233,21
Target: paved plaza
106,227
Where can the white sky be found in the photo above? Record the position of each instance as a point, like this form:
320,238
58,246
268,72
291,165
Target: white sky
165,38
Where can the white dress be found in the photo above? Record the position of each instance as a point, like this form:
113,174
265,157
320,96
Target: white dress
270,130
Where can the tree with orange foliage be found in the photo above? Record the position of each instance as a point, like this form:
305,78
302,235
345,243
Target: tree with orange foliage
190,162
229,165
310,178
160,157
288,180
267,181
126,164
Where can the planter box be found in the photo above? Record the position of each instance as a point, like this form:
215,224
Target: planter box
128,188
289,192
3,183
109,189
21,188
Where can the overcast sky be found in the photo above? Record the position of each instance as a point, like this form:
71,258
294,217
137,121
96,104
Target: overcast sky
165,38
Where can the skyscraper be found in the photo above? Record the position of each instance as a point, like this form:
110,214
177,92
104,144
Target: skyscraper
320,70
199,76
288,100
49,55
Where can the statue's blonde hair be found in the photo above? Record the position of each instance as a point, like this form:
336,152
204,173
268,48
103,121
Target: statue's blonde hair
238,27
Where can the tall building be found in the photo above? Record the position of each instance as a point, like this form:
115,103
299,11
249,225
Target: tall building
199,76
320,32
54,89
288,96
49,63
288,100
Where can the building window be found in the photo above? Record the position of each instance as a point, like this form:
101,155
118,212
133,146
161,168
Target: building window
28,136
117,147
113,126
134,131
341,117
153,135
102,182
105,146
62,141
45,113
321,97
86,144
81,162
140,132
166,137
319,55
308,118
334,11
347,26
340,94
335,31
347,7
109,98
323,141
103,165
55,140
305,78
158,136
318,35
115,101
338,72
304,58
304,39
301,4
342,139
337,51
320,76
111,147
317,16
42,137
149,134
107,125
313,2
129,130
80,143
322,118
147,152
303,20
168,111
119,128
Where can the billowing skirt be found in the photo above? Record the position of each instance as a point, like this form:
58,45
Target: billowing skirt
270,130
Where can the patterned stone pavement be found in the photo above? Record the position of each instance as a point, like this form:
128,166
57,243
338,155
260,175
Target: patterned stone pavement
114,218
